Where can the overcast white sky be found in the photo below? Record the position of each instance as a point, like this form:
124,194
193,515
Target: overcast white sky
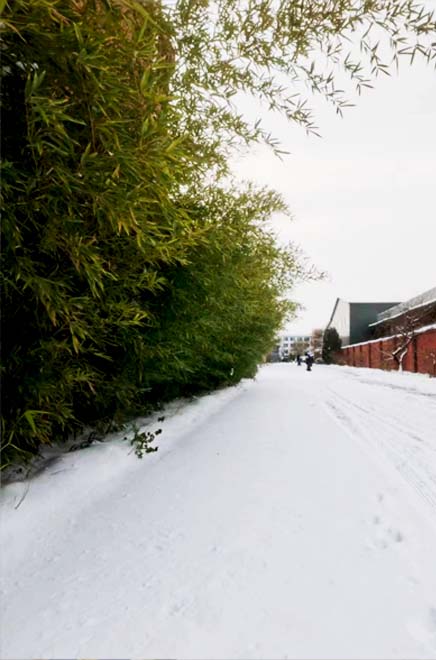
363,196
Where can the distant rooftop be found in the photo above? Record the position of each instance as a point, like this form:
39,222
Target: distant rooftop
418,301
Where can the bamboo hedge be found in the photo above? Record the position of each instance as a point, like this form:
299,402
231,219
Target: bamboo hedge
120,285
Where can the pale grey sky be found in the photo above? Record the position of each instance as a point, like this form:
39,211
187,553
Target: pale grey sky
363,196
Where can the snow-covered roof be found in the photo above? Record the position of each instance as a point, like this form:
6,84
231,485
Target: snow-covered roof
423,299
426,328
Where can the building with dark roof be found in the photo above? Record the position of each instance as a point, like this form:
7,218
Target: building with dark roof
388,335
415,313
352,319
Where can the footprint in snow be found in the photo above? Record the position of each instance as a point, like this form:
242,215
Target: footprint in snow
384,536
424,630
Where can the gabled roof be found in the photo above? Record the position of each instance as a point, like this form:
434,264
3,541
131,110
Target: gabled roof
333,312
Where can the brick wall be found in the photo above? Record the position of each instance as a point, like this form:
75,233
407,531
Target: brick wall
420,357
426,353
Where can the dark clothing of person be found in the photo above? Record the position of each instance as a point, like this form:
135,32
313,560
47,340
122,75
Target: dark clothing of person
309,362
299,360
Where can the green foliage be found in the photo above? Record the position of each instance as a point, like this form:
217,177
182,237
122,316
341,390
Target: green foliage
331,344
90,170
220,314
141,441
278,51
103,255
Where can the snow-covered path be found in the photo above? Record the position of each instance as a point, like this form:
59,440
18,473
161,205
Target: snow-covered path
293,516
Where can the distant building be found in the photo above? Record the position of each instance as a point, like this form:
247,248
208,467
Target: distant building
388,335
413,314
293,344
352,319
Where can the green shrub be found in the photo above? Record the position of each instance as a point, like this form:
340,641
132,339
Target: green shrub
91,164
331,345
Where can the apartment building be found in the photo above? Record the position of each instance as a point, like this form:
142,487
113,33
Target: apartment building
293,344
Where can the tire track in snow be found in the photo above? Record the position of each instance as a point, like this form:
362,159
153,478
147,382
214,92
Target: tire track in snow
401,388
397,443
386,419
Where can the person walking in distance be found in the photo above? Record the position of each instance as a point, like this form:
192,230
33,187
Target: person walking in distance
309,362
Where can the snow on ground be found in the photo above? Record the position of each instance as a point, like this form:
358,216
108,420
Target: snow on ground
293,516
